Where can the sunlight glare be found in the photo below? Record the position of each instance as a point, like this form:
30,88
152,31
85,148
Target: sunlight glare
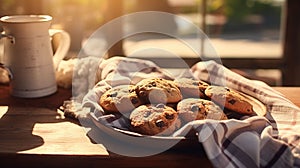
3,110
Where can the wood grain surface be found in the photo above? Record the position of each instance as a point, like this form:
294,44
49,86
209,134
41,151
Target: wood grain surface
34,132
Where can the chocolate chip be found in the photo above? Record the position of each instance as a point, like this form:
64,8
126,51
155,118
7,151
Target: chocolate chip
202,90
195,83
194,108
147,113
169,116
142,93
160,123
232,101
153,84
134,100
113,94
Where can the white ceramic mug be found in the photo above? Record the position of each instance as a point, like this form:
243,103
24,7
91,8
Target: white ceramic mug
28,54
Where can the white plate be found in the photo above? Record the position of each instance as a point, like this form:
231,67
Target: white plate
129,143
123,142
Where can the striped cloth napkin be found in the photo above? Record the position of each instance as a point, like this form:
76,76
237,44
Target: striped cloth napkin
269,141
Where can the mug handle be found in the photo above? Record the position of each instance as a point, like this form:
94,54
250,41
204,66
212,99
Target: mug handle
61,49
3,35
10,75
2,65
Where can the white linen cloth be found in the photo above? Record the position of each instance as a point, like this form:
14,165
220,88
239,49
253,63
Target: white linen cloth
270,141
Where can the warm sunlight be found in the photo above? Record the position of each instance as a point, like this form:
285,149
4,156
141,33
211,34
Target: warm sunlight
59,133
149,83
3,110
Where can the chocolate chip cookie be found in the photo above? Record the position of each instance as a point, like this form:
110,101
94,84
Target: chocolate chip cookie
158,90
122,98
198,109
154,120
191,87
230,99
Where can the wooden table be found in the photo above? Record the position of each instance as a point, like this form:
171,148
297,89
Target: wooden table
34,133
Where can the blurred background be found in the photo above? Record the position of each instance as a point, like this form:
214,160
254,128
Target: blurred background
240,31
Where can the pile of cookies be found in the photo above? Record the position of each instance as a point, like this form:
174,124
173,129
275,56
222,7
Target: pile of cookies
159,107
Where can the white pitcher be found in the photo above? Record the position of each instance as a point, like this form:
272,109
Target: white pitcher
28,54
